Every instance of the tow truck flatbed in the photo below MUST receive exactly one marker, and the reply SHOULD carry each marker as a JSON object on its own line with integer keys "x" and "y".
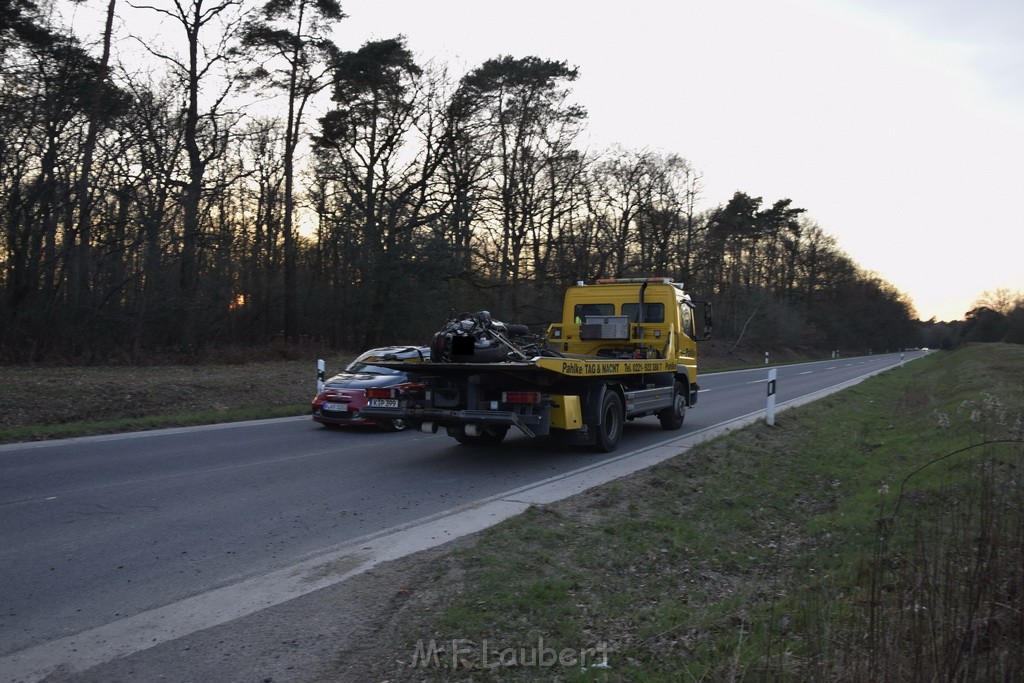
{"x": 622, "y": 350}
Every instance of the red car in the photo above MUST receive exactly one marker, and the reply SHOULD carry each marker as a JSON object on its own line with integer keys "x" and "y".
{"x": 345, "y": 394}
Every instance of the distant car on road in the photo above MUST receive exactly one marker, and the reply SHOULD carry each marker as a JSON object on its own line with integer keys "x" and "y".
{"x": 344, "y": 395}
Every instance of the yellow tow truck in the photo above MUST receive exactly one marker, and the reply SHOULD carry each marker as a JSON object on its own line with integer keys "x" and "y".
{"x": 624, "y": 348}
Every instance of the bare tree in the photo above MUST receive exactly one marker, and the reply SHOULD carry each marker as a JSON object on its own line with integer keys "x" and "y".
{"x": 528, "y": 121}
{"x": 294, "y": 35}
{"x": 380, "y": 145}
{"x": 665, "y": 225}
{"x": 624, "y": 182}
{"x": 466, "y": 173}
{"x": 1001, "y": 300}
{"x": 97, "y": 104}
{"x": 205, "y": 83}
{"x": 44, "y": 97}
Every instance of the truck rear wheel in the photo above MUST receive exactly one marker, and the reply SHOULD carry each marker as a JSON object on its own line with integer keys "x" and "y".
{"x": 672, "y": 417}
{"x": 610, "y": 429}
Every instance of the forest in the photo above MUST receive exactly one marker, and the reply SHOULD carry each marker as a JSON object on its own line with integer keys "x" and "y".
{"x": 257, "y": 184}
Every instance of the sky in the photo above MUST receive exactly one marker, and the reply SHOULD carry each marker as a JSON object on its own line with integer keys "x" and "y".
{"x": 897, "y": 124}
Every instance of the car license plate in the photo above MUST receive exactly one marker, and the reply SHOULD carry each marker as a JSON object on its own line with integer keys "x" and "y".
{"x": 336, "y": 407}
{"x": 383, "y": 402}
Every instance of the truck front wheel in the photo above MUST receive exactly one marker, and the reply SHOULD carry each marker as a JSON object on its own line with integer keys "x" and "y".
{"x": 610, "y": 429}
{"x": 672, "y": 417}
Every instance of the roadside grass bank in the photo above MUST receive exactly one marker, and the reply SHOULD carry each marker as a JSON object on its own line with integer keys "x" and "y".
{"x": 48, "y": 403}
{"x": 876, "y": 534}
{"x": 144, "y": 423}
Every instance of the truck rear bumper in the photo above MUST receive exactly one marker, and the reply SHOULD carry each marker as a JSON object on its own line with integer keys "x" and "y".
{"x": 531, "y": 425}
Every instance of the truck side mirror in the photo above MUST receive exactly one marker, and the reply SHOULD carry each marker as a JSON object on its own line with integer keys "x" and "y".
{"x": 708, "y": 319}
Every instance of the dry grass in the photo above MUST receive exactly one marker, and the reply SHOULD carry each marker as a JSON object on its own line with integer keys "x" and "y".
{"x": 47, "y": 398}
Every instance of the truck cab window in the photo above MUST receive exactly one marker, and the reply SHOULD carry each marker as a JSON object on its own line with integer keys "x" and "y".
{"x": 581, "y": 311}
{"x": 653, "y": 313}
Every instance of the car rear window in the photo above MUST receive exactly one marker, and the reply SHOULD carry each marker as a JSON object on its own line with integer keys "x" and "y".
{"x": 368, "y": 369}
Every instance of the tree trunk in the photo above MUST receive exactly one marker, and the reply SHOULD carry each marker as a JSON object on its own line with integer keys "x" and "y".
{"x": 83, "y": 293}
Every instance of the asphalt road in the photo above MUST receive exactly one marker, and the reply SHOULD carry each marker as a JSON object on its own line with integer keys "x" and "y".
{"x": 97, "y": 529}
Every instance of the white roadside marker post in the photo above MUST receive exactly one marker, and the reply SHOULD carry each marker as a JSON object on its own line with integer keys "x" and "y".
{"x": 770, "y": 409}
{"x": 320, "y": 375}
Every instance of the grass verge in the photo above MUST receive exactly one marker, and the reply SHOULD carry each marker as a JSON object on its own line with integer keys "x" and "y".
{"x": 137, "y": 424}
{"x": 48, "y": 403}
{"x": 876, "y": 534}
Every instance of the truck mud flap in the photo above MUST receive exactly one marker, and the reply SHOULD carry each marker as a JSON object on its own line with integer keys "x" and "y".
{"x": 574, "y": 437}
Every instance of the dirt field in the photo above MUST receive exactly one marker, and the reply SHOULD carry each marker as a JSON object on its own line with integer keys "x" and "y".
{"x": 47, "y": 395}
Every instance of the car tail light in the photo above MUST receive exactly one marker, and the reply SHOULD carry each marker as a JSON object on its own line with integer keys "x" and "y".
{"x": 383, "y": 392}
{"x": 520, "y": 397}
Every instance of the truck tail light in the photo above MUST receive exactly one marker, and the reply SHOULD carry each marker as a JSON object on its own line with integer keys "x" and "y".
{"x": 520, "y": 397}
{"x": 380, "y": 392}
